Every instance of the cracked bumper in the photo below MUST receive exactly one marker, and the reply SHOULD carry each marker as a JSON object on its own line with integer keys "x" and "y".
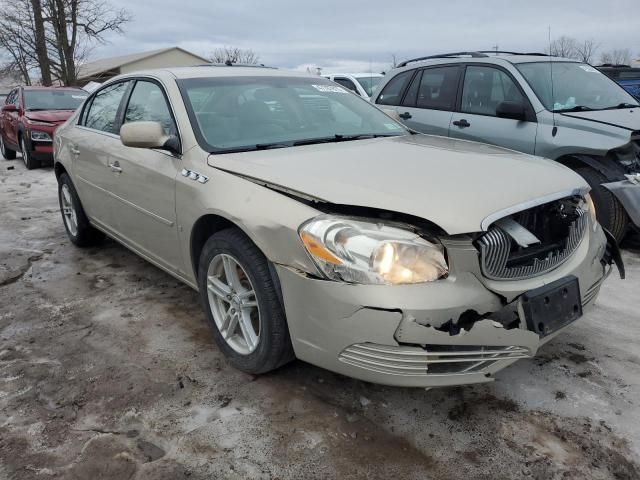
{"x": 388, "y": 334}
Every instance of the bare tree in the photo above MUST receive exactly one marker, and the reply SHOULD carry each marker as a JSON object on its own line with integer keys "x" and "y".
{"x": 618, "y": 56}
{"x": 55, "y": 36}
{"x": 586, "y": 51}
{"x": 564, "y": 47}
{"x": 234, "y": 55}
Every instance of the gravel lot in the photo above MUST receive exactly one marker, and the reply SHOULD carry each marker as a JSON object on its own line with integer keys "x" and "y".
{"x": 108, "y": 371}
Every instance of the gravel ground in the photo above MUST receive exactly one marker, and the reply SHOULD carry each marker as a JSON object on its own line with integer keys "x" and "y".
{"x": 108, "y": 371}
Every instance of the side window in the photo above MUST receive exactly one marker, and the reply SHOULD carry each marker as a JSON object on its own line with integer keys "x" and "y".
{"x": 103, "y": 111}
{"x": 392, "y": 93}
{"x": 346, "y": 83}
{"x": 438, "y": 88}
{"x": 148, "y": 103}
{"x": 485, "y": 87}
{"x": 11, "y": 97}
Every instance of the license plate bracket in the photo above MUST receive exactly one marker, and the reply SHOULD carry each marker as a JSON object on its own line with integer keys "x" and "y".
{"x": 553, "y": 306}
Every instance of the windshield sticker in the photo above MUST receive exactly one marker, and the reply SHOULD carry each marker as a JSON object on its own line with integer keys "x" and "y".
{"x": 79, "y": 97}
{"x": 587, "y": 68}
{"x": 329, "y": 88}
{"x": 392, "y": 126}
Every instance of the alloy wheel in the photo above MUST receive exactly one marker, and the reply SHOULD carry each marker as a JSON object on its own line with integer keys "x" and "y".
{"x": 68, "y": 210}
{"x": 233, "y": 303}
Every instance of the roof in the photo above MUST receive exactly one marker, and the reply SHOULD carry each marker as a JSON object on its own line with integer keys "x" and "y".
{"x": 485, "y": 58}
{"x": 35, "y": 87}
{"x": 106, "y": 64}
{"x": 354, "y": 75}
{"x": 206, "y": 71}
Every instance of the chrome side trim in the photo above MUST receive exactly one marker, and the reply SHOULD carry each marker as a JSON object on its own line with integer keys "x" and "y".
{"x": 486, "y": 223}
{"x": 158, "y": 218}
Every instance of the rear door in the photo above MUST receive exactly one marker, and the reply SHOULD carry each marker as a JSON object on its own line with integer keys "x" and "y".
{"x": 144, "y": 181}
{"x": 90, "y": 143}
{"x": 484, "y": 88}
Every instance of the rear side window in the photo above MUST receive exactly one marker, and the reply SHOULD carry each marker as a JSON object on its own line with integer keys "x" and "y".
{"x": 148, "y": 103}
{"x": 103, "y": 111}
{"x": 438, "y": 88}
{"x": 346, "y": 83}
{"x": 485, "y": 87}
{"x": 392, "y": 92}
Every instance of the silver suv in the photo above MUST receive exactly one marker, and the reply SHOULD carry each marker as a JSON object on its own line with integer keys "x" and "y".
{"x": 314, "y": 225}
{"x": 551, "y": 107}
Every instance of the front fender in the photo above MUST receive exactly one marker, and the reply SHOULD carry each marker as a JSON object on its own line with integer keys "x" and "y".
{"x": 628, "y": 194}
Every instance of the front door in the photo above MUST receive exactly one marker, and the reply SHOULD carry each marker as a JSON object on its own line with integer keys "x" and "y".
{"x": 144, "y": 182}
{"x": 484, "y": 88}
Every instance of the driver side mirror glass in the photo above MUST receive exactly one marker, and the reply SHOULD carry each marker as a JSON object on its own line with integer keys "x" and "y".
{"x": 512, "y": 110}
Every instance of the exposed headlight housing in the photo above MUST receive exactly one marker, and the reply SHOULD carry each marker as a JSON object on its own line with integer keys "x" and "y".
{"x": 370, "y": 252}
{"x": 40, "y": 136}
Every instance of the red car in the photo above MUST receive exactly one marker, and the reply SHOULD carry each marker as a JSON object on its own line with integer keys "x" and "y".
{"x": 29, "y": 117}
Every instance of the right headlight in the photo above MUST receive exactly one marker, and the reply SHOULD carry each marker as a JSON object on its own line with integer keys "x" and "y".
{"x": 370, "y": 252}
{"x": 591, "y": 208}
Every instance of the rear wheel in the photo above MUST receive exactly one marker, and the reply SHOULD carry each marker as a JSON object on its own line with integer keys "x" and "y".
{"x": 242, "y": 303}
{"x": 6, "y": 152}
{"x": 76, "y": 223}
{"x": 27, "y": 158}
{"x": 610, "y": 211}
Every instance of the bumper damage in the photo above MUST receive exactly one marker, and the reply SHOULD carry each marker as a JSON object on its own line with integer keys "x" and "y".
{"x": 457, "y": 331}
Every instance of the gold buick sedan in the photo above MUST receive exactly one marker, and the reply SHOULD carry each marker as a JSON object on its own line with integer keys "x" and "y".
{"x": 315, "y": 226}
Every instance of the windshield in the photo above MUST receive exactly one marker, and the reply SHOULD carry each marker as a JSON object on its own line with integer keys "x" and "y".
{"x": 369, "y": 84}
{"x": 53, "y": 99}
{"x": 576, "y": 86}
{"x": 252, "y": 113}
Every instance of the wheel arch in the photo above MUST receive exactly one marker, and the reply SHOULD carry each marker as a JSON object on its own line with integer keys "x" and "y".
{"x": 59, "y": 169}
{"x": 606, "y": 166}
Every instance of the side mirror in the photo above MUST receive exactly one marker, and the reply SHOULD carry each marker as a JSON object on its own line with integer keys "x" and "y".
{"x": 512, "y": 110}
{"x": 9, "y": 108}
{"x": 147, "y": 135}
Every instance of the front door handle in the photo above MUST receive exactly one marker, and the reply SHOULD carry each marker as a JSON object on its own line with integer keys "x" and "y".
{"x": 405, "y": 116}
{"x": 75, "y": 150}
{"x": 115, "y": 167}
{"x": 462, "y": 123}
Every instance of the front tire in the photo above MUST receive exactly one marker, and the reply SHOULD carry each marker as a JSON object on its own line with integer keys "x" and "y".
{"x": 6, "y": 152}
{"x": 242, "y": 303}
{"x": 76, "y": 223}
{"x": 610, "y": 211}
{"x": 27, "y": 158}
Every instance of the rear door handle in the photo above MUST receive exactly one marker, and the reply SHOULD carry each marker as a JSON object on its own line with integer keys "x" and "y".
{"x": 115, "y": 167}
{"x": 462, "y": 123}
{"x": 405, "y": 116}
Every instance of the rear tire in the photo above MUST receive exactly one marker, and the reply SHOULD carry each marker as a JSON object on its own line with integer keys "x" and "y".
{"x": 272, "y": 348}
{"x": 27, "y": 158}
{"x": 76, "y": 223}
{"x": 610, "y": 211}
{"x": 7, "y": 153}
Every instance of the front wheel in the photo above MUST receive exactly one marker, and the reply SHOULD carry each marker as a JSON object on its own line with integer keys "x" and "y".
{"x": 27, "y": 158}
{"x": 76, "y": 223}
{"x": 6, "y": 152}
{"x": 242, "y": 303}
{"x": 609, "y": 210}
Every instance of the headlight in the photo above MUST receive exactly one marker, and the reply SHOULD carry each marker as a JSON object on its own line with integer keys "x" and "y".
{"x": 40, "y": 136}
{"x": 367, "y": 252}
{"x": 591, "y": 208}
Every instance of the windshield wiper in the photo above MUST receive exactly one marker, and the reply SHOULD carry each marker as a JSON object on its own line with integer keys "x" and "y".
{"x": 622, "y": 105}
{"x": 341, "y": 138}
{"x": 269, "y": 146}
{"x": 577, "y": 108}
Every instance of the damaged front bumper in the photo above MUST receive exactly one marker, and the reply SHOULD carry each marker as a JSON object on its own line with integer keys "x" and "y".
{"x": 459, "y": 330}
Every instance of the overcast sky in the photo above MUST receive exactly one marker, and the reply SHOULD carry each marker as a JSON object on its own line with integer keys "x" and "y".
{"x": 352, "y": 35}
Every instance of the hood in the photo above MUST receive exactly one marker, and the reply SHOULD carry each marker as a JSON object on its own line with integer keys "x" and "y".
{"x": 53, "y": 116}
{"x": 628, "y": 118}
{"x": 455, "y": 184}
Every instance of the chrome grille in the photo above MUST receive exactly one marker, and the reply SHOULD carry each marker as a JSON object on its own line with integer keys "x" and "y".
{"x": 432, "y": 360}
{"x": 495, "y": 249}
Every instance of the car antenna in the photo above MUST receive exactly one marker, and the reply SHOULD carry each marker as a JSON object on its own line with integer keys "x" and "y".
{"x": 554, "y": 130}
